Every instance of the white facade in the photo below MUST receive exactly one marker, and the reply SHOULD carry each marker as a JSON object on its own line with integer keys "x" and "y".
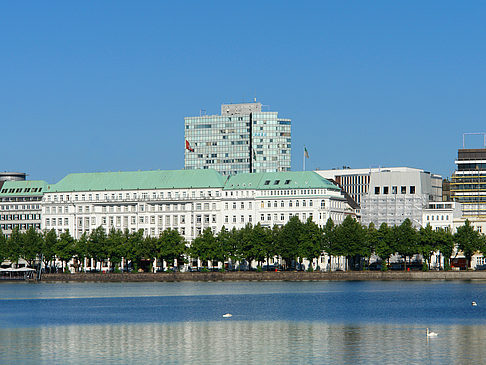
{"x": 191, "y": 210}
{"x": 394, "y": 196}
{"x": 356, "y": 182}
{"x": 441, "y": 215}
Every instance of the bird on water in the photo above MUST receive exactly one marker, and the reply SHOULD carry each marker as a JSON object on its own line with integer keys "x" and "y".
{"x": 431, "y": 334}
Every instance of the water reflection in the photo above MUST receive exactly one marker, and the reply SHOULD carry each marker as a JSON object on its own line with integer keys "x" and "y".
{"x": 242, "y": 342}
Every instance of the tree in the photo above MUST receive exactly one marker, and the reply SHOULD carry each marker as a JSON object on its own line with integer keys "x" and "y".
{"x": 290, "y": 240}
{"x": 97, "y": 245}
{"x": 246, "y": 244}
{"x": 114, "y": 246}
{"x": 31, "y": 246}
{"x": 328, "y": 239}
{"x": 3, "y": 247}
{"x": 260, "y": 241}
{"x": 372, "y": 240}
{"x": 349, "y": 237}
{"x": 312, "y": 239}
{"x": 14, "y": 245}
{"x": 171, "y": 247}
{"x": 81, "y": 249}
{"x": 445, "y": 244}
{"x": 225, "y": 245}
{"x": 406, "y": 240}
{"x": 468, "y": 240}
{"x": 49, "y": 247}
{"x": 427, "y": 243}
{"x": 134, "y": 252}
{"x": 149, "y": 250}
{"x": 65, "y": 248}
{"x": 384, "y": 247}
{"x": 204, "y": 246}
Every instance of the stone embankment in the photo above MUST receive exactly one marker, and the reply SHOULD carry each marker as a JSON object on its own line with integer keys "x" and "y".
{"x": 267, "y": 276}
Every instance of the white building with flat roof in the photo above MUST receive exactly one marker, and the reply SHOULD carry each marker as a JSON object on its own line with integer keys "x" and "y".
{"x": 388, "y": 195}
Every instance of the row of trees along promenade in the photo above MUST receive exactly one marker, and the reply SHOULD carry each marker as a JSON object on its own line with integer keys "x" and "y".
{"x": 292, "y": 242}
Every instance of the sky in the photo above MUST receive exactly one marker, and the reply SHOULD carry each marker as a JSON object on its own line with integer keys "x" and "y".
{"x": 93, "y": 86}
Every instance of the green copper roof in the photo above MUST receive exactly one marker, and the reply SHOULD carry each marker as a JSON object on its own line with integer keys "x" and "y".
{"x": 132, "y": 180}
{"x": 278, "y": 180}
{"x": 23, "y": 188}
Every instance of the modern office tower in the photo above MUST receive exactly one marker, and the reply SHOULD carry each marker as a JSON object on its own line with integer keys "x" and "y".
{"x": 468, "y": 183}
{"x": 242, "y": 139}
{"x": 20, "y": 205}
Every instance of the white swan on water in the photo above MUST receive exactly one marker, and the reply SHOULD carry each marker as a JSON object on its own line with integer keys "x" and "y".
{"x": 227, "y": 315}
{"x": 474, "y": 304}
{"x": 431, "y": 334}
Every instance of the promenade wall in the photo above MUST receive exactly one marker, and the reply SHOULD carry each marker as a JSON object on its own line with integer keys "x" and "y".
{"x": 267, "y": 276}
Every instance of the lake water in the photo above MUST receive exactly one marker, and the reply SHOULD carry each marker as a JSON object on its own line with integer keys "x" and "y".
{"x": 273, "y": 322}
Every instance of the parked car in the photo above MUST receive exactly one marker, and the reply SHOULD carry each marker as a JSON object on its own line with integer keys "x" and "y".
{"x": 481, "y": 267}
{"x": 374, "y": 266}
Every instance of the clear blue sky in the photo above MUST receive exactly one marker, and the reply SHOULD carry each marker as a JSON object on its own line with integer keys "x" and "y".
{"x": 105, "y": 85}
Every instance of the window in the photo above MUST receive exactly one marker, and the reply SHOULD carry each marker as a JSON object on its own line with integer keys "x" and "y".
{"x": 385, "y": 190}
{"x": 394, "y": 190}
{"x": 377, "y": 190}
{"x": 267, "y": 182}
{"x": 412, "y": 189}
{"x": 404, "y": 190}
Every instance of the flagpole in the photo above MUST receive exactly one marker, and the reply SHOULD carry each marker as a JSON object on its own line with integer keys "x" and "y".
{"x": 303, "y": 159}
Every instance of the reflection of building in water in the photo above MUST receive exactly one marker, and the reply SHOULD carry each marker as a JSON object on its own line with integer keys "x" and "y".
{"x": 244, "y": 342}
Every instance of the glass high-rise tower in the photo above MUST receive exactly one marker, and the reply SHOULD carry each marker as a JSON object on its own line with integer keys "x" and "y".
{"x": 242, "y": 139}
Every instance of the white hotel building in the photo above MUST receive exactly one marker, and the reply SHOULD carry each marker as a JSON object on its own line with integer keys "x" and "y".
{"x": 187, "y": 200}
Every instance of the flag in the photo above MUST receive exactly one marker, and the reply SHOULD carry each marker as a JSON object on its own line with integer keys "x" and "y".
{"x": 306, "y": 154}
{"x": 188, "y": 146}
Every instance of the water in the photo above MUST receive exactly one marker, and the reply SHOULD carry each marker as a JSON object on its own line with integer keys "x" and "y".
{"x": 281, "y": 322}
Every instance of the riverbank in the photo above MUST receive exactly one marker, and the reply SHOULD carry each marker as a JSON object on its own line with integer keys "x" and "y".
{"x": 267, "y": 276}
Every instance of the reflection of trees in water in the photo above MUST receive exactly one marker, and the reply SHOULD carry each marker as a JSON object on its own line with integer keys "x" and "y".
{"x": 244, "y": 342}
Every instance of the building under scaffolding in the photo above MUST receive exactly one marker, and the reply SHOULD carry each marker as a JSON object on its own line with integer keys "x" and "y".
{"x": 468, "y": 183}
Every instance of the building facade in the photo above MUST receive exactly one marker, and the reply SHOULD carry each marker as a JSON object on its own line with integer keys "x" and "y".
{"x": 20, "y": 205}
{"x": 394, "y": 196}
{"x": 242, "y": 139}
{"x": 187, "y": 200}
{"x": 442, "y": 215}
{"x": 468, "y": 182}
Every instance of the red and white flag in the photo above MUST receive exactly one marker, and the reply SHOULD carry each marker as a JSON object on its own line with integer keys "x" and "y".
{"x": 188, "y": 146}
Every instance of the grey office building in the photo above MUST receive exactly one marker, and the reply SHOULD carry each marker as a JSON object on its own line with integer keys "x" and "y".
{"x": 242, "y": 139}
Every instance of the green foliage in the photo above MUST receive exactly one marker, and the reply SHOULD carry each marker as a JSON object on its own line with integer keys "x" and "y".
{"x": 290, "y": 240}
{"x": 14, "y": 245}
{"x": 171, "y": 247}
{"x": 49, "y": 244}
{"x": 469, "y": 241}
{"x": 3, "y": 247}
